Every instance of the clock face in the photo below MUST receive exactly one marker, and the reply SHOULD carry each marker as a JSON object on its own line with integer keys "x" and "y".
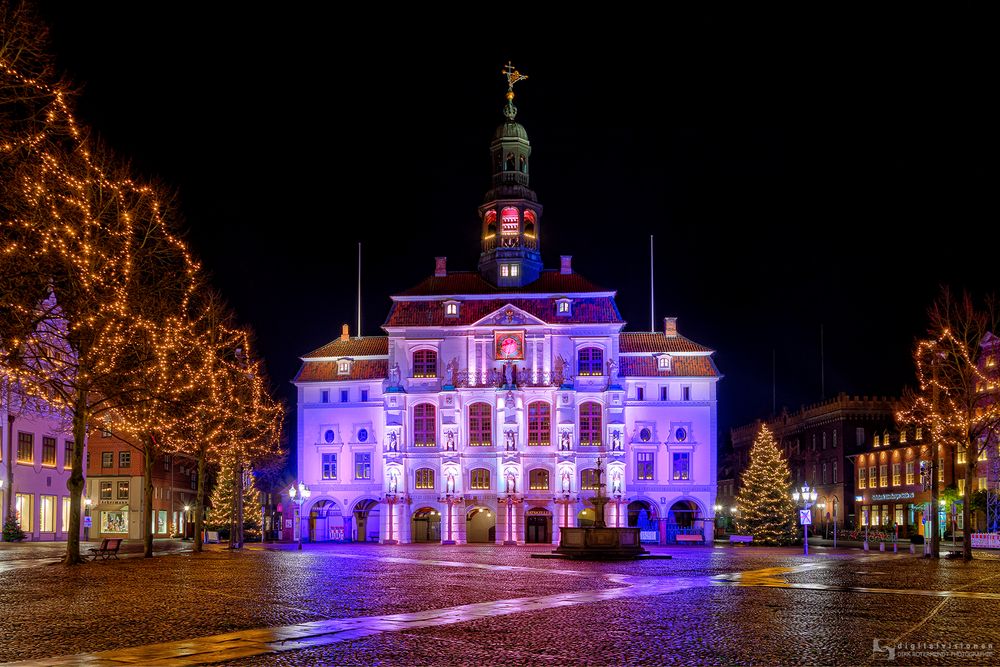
{"x": 509, "y": 345}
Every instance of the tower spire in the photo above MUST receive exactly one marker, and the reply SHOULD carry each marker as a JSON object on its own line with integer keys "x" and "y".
{"x": 513, "y": 76}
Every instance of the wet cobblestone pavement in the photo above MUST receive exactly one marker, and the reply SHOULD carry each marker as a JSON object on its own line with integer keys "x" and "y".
{"x": 491, "y": 605}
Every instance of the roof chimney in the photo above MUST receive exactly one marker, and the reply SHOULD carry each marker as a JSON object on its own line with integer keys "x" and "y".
{"x": 440, "y": 267}
{"x": 565, "y": 264}
{"x": 670, "y": 327}
{"x": 344, "y": 333}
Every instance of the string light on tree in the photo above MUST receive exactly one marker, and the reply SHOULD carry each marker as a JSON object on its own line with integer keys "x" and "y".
{"x": 764, "y": 506}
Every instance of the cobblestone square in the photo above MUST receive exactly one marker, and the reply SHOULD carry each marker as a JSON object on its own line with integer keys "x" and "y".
{"x": 491, "y": 605}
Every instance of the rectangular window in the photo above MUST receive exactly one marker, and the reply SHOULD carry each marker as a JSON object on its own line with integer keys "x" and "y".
{"x": 872, "y": 477}
{"x": 122, "y": 491}
{"x": 539, "y": 421}
{"x": 909, "y": 472}
{"x": 23, "y": 510}
{"x": 114, "y": 522}
{"x": 65, "y": 514}
{"x": 166, "y": 463}
{"x": 343, "y": 367}
{"x": 588, "y": 479}
{"x": 682, "y": 465}
{"x": 47, "y": 514}
{"x": 425, "y": 364}
{"x": 859, "y": 437}
{"x": 861, "y": 478}
{"x": 480, "y": 425}
{"x": 644, "y": 465}
{"x": 107, "y": 459}
{"x": 514, "y": 270}
{"x": 505, "y": 270}
{"x": 883, "y": 472}
{"x": 864, "y": 515}
{"x": 124, "y": 459}
{"x": 424, "y": 478}
{"x": 961, "y": 456}
{"x": 324, "y": 396}
{"x": 49, "y": 454}
{"x": 685, "y": 393}
{"x": 663, "y": 393}
{"x": 896, "y": 469}
{"x": 640, "y": 394}
{"x": 105, "y": 490}
{"x": 25, "y": 448}
{"x": 920, "y": 433}
{"x": 940, "y": 470}
{"x": 364, "y": 395}
{"x": 479, "y": 479}
{"x": 68, "y": 455}
{"x": 451, "y": 309}
{"x": 834, "y": 438}
{"x": 362, "y": 465}
{"x": 329, "y": 466}
{"x": 834, "y": 472}
{"x": 961, "y": 487}
{"x": 538, "y": 479}
{"x": 885, "y": 515}
{"x": 980, "y": 483}
{"x": 344, "y": 395}
{"x": 900, "y": 520}
{"x": 982, "y": 454}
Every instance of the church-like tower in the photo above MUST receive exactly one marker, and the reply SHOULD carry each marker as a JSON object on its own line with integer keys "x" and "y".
{"x": 510, "y": 215}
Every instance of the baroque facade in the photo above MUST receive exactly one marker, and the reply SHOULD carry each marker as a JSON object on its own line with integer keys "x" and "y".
{"x": 485, "y": 411}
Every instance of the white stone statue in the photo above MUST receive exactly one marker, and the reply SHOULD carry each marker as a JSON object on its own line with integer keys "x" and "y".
{"x": 616, "y": 482}
{"x": 449, "y": 440}
{"x": 566, "y": 481}
{"x": 564, "y": 443}
{"x": 449, "y": 486}
{"x": 393, "y": 441}
{"x": 616, "y": 440}
{"x": 510, "y": 439}
{"x": 393, "y": 479}
{"x": 394, "y": 374}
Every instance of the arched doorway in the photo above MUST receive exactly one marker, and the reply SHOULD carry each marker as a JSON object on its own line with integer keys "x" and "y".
{"x": 683, "y": 518}
{"x": 366, "y": 520}
{"x": 585, "y": 519}
{"x": 480, "y": 525}
{"x": 642, "y": 515}
{"x": 538, "y": 526}
{"x": 326, "y": 522}
{"x": 425, "y": 525}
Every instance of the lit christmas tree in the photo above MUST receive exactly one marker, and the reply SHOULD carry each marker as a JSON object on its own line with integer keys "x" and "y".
{"x": 765, "y": 504}
{"x": 220, "y": 516}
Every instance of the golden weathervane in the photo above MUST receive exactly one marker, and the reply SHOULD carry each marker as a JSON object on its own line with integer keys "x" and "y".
{"x": 513, "y": 76}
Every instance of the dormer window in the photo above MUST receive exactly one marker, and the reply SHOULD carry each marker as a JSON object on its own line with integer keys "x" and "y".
{"x": 663, "y": 362}
{"x": 344, "y": 367}
{"x": 509, "y": 270}
{"x": 451, "y": 308}
{"x": 564, "y": 307}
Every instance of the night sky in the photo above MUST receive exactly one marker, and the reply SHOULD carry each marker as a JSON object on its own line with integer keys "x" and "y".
{"x": 784, "y": 163}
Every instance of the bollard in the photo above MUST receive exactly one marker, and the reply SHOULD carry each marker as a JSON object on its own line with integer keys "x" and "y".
{"x": 866, "y": 545}
{"x": 913, "y": 549}
{"x": 895, "y": 549}
{"x": 881, "y": 546}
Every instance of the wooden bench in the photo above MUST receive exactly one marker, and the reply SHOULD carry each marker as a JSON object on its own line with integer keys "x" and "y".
{"x": 738, "y": 539}
{"x": 691, "y": 538}
{"x": 108, "y": 549}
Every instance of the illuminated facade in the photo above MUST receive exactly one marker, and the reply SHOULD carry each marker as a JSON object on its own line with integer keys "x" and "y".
{"x": 482, "y": 414}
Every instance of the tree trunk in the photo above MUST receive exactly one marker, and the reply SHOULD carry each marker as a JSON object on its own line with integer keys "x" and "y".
{"x": 75, "y": 483}
{"x": 934, "y": 504}
{"x": 8, "y": 499}
{"x": 971, "y": 462}
{"x": 149, "y": 454}
{"x": 199, "y": 516}
{"x": 236, "y": 534}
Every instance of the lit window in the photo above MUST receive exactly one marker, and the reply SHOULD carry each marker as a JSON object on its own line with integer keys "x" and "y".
{"x": 48, "y": 451}
{"x": 68, "y": 456}
{"x": 861, "y": 478}
{"x": 896, "y": 468}
{"x": 329, "y": 466}
{"x": 883, "y": 472}
{"x": 885, "y": 439}
{"x": 424, "y": 425}
{"x": 961, "y": 487}
{"x": 663, "y": 362}
{"x": 425, "y": 364}
{"x": 588, "y": 479}
{"x": 343, "y": 367}
{"x": 539, "y": 423}
{"x": 590, "y": 424}
{"x": 424, "y": 478}
{"x": 877, "y": 440}
{"x": 902, "y": 437}
{"x": 538, "y": 479}
{"x": 362, "y": 465}
{"x": 564, "y": 306}
{"x": 480, "y": 425}
{"x": 682, "y": 466}
{"x": 980, "y": 483}
{"x": 591, "y": 361}
{"x": 961, "y": 456}
{"x": 23, "y": 510}
{"x": 920, "y": 433}
{"x": 940, "y": 471}
{"x": 513, "y": 270}
{"x": 26, "y": 448}
{"x": 479, "y": 479}
{"x": 122, "y": 491}
{"x": 909, "y": 472}
{"x": 105, "y": 491}
{"x": 505, "y": 270}
{"x": 644, "y": 465}
{"x": 451, "y": 309}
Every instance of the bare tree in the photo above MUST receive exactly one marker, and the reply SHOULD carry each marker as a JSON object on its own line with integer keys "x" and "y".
{"x": 955, "y": 399}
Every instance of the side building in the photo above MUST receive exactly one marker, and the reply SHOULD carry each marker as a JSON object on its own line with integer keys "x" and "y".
{"x": 115, "y": 490}
{"x": 501, "y": 398}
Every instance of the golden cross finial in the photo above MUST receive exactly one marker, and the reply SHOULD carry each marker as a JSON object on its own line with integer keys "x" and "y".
{"x": 513, "y": 76}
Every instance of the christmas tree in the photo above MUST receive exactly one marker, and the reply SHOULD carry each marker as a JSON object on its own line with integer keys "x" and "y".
{"x": 220, "y": 516}
{"x": 12, "y": 530}
{"x": 765, "y": 504}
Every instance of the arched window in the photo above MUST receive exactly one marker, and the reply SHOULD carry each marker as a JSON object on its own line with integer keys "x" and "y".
{"x": 480, "y": 425}
{"x": 479, "y": 479}
{"x": 524, "y": 165}
{"x": 588, "y": 479}
{"x": 490, "y": 218}
{"x": 425, "y": 364}
{"x": 591, "y": 361}
{"x": 539, "y": 423}
{"x": 529, "y": 223}
{"x": 424, "y": 478}
{"x": 590, "y": 424}
{"x": 538, "y": 479}
{"x": 509, "y": 162}
{"x": 424, "y": 425}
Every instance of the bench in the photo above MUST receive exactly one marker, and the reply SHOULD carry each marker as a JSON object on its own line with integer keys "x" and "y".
{"x": 108, "y": 549}
{"x": 737, "y": 539}
{"x": 691, "y": 538}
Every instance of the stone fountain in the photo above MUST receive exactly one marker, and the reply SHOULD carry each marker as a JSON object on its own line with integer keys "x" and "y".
{"x": 599, "y": 542}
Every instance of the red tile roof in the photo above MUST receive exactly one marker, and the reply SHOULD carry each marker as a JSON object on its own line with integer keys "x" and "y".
{"x": 698, "y": 366}
{"x": 431, "y": 313}
{"x": 326, "y": 371}
{"x": 366, "y": 346}
{"x": 634, "y": 341}
{"x": 470, "y": 282}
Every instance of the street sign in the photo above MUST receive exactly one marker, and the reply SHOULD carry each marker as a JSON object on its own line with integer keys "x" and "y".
{"x": 805, "y": 517}
{"x": 87, "y": 521}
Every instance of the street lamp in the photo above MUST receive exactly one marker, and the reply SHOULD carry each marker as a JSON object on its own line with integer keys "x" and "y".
{"x": 298, "y": 497}
{"x": 184, "y": 528}
{"x": 806, "y": 497}
{"x": 822, "y": 513}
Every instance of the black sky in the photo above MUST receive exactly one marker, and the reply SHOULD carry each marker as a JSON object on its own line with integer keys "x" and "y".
{"x": 796, "y": 170}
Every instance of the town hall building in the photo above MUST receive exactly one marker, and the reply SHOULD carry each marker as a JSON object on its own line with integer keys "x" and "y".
{"x": 486, "y": 410}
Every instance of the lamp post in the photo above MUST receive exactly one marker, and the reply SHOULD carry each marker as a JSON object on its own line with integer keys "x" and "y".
{"x": 806, "y": 497}
{"x": 298, "y": 497}
{"x": 826, "y": 524}
{"x": 184, "y": 528}
{"x": 511, "y": 501}
{"x": 87, "y": 502}
{"x": 717, "y": 509}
